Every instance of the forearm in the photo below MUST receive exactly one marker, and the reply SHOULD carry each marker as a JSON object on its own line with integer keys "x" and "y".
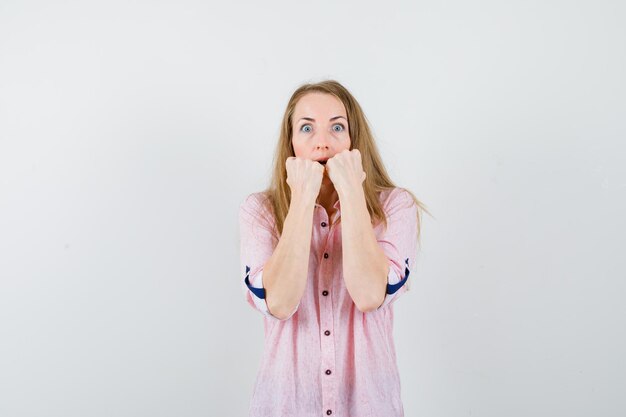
{"x": 285, "y": 273}
{"x": 365, "y": 265}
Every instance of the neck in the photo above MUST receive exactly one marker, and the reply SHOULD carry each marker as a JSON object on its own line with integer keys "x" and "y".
{"x": 328, "y": 195}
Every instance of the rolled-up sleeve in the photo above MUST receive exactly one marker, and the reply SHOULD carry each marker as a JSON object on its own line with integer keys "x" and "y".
{"x": 257, "y": 242}
{"x": 399, "y": 242}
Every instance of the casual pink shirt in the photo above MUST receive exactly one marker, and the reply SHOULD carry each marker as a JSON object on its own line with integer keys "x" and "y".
{"x": 328, "y": 357}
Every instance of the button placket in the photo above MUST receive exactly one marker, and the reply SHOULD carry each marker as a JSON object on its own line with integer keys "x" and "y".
{"x": 329, "y": 390}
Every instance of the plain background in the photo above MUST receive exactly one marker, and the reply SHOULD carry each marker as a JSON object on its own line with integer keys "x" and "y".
{"x": 130, "y": 132}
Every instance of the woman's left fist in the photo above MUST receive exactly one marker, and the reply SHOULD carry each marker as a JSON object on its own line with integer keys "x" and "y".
{"x": 345, "y": 170}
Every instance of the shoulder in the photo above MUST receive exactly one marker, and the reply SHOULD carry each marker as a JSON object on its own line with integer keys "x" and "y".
{"x": 257, "y": 204}
{"x": 392, "y": 199}
{"x": 254, "y": 200}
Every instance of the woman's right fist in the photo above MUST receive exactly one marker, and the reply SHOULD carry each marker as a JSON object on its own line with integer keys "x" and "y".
{"x": 304, "y": 177}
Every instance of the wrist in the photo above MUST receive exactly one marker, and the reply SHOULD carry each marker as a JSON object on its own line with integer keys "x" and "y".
{"x": 299, "y": 200}
{"x": 351, "y": 193}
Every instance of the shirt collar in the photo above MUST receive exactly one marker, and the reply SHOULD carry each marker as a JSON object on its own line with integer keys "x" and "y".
{"x": 337, "y": 205}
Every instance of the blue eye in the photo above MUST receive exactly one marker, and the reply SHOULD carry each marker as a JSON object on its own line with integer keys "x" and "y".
{"x": 307, "y": 128}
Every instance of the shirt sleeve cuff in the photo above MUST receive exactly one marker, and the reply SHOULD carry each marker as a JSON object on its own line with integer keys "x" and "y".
{"x": 257, "y": 295}
{"x": 395, "y": 283}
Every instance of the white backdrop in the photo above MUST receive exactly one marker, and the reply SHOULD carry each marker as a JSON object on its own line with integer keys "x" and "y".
{"x": 130, "y": 132}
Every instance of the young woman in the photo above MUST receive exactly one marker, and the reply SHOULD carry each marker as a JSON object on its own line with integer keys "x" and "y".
{"x": 325, "y": 251}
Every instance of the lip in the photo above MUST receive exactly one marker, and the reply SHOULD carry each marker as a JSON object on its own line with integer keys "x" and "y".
{"x": 322, "y": 161}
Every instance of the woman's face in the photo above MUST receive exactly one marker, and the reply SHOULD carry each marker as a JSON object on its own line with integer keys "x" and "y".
{"x": 320, "y": 127}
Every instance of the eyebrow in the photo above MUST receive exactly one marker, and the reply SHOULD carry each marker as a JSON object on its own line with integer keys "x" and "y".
{"x": 331, "y": 119}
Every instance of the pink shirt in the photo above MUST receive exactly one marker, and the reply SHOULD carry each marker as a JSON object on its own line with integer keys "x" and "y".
{"x": 328, "y": 357}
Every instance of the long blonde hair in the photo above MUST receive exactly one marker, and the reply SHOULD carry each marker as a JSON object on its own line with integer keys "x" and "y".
{"x": 376, "y": 178}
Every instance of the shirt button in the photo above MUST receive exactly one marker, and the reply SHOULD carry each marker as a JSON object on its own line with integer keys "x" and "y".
{"x": 325, "y": 255}
{"x": 328, "y": 372}
{"x": 323, "y": 224}
{"x": 329, "y": 412}
{"x": 324, "y": 293}
{"x": 327, "y": 332}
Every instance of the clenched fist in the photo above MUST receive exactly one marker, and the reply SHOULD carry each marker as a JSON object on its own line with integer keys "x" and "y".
{"x": 345, "y": 170}
{"x": 304, "y": 178}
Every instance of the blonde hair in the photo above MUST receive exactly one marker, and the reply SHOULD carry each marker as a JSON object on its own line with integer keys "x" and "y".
{"x": 376, "y": 178}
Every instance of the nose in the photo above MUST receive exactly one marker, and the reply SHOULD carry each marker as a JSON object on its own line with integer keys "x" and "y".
{"x": 322, "y": 141}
